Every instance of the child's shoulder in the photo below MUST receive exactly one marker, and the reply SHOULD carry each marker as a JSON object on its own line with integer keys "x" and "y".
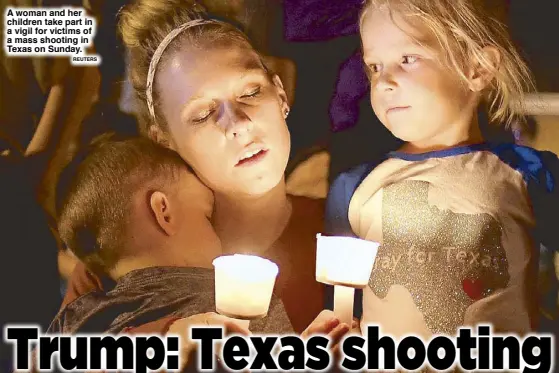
{"x": 347, "y": 181}
{"x": 341, "y": 190}
{"x": 536, "y": 166}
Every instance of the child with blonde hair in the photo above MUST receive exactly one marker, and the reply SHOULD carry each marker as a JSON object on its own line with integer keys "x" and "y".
{"x": 459, "y": 219}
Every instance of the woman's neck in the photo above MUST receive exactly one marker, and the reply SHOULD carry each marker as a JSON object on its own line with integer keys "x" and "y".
{"x": 251, "y": 224}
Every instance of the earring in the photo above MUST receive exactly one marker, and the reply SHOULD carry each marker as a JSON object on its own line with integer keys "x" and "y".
{"x": 286, "y": 112}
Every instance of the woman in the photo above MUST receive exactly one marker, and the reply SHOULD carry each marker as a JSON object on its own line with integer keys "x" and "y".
{"x": 209, "y": 97}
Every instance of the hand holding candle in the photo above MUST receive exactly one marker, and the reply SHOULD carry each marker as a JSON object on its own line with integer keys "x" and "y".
{"x": 244, "y": 286}
{"x": 346, "y": 263}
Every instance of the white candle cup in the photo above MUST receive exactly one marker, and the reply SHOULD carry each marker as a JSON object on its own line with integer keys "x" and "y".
{"x": 345, "y": 261}
{"x": 244, "y": 286}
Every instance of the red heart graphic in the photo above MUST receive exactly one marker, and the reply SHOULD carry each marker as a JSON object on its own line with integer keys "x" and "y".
{"x": 474, "y": 288}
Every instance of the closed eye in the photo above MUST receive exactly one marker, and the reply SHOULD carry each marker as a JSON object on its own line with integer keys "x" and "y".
{"x": 253, "y": 93}
{"x": 204, "y": 116}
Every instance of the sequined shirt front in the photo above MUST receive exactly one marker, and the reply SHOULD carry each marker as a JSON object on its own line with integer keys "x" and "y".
{"x": 455, "y": 244}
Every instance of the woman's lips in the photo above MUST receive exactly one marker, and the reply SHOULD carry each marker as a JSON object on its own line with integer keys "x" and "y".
{"x": 255, "y": 158}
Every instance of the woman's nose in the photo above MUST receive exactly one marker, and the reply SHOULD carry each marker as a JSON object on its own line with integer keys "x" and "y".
{"x": 236, "y": 121}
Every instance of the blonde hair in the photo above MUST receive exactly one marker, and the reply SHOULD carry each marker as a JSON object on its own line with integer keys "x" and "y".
{"x": 144, "y": 24}
{"x": 463, "y": 28}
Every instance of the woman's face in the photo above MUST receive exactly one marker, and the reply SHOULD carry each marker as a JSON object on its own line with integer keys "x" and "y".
{"x": 226, "y": 117}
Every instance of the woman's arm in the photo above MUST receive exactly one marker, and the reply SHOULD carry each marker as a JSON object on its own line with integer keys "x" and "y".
{"x": 49, "y": 119}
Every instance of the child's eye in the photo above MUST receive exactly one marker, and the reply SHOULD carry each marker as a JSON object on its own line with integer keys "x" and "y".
{"x": 409, "y": 59}
{"x": 203, "y": 116}
{"x": 252, "y": 93}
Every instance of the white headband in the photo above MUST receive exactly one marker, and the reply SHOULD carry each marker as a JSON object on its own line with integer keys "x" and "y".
{"x": 159, "y": 52}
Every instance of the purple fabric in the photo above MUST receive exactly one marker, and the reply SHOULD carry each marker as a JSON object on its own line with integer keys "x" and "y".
{"x": 351, "y": 86}
{"x": 322, "y": 20}
{"x": 319, "y": 20}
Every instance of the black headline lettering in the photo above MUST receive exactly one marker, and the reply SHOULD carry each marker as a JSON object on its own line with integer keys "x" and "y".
{"x": 418, "y": 347}
{"x": 143, "y": 362}
{"x": 207, "y": 338}
{"x": 259, "y": 352}
{"x": 449, "y": 356}
{"x": 375, "y": 344}
{"x": 112, "y": 346}
{"x": 234, "y": 352}
{"x": 292, "y": 358}
{"x": 319, "y": 358}
{"x": 469, "y": 351}
{"x": 465, "y": 343}
{"x": 23, "y": 338}
{"x": 412, "y": 353}
{"x": 355, "y": 358}
{"x": 542, "y": 360}
{"x": 47, "y": 346}
{"x": 483, "y": 333}
{"x": 263, "y": 357}
{"x": 139, "y": 354}
{"x": 73, "y": 362}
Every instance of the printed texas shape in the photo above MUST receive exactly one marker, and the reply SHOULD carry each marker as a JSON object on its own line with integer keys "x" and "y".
{"x": 461, "y": 256}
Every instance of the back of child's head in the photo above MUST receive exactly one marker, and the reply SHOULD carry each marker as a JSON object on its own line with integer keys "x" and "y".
{"x": 463, "y": 28}
{"x": 145, "y": 24}
{"x": 96, "y": 194}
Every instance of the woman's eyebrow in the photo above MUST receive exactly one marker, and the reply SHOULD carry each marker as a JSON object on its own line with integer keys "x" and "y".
{"x": 192, "y": 99}
{"x": 252, "y": 71}
{"x": 189, "y": 102}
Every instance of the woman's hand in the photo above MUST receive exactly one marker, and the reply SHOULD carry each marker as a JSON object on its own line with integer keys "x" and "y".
{"x": 328, "y": 324}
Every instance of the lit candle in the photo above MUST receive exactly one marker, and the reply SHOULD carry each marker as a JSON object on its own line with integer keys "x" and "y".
{"x": 346, "y": 263}
{"x": 244, "y": 286}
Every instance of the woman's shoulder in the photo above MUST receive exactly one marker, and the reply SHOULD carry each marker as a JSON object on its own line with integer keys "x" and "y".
{"x": 307, "y": 220}
{"x": 308, "y": 208}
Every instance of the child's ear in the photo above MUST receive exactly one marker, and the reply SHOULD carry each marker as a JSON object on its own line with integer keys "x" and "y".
{"x": 163, "y": 213}
{"x": 282, "y": 95}
{"x": 482, "y": 72}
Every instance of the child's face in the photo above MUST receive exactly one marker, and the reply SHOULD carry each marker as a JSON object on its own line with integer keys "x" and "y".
{"x": 412, "y": 93}
{"x": 226, "y": 117}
